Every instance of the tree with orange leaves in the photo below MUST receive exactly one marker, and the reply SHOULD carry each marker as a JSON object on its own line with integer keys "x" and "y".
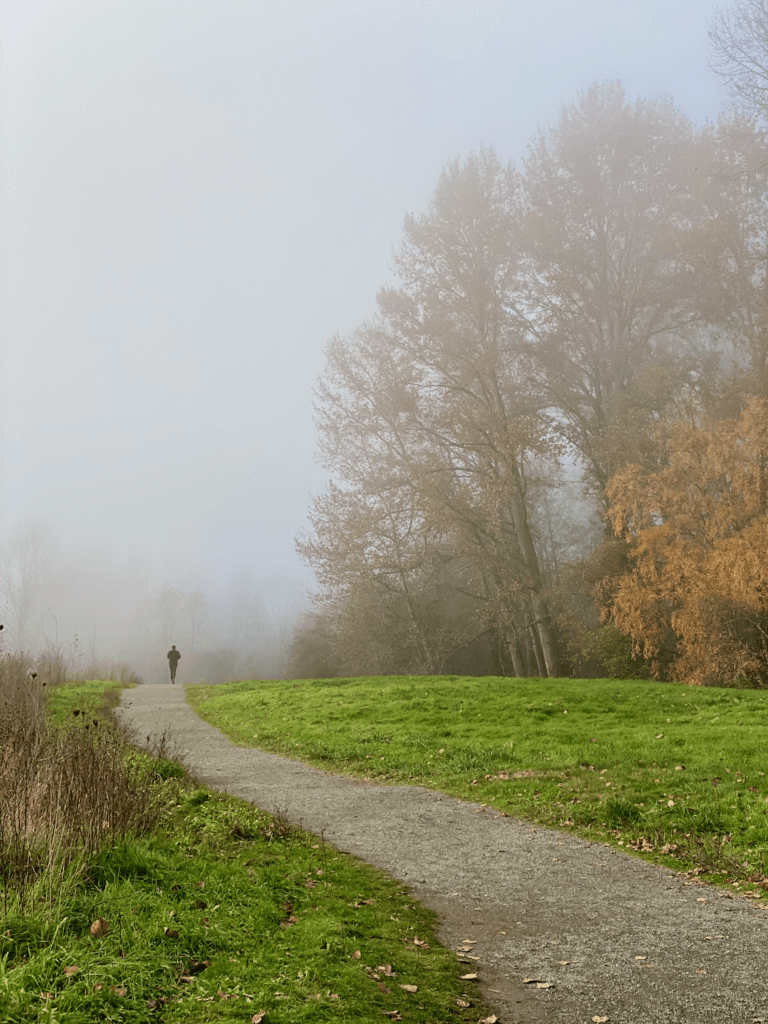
{"x": 695, "y": 598}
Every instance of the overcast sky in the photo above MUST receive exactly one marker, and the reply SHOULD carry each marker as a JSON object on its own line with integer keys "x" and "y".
{"x": 197, "y": 195}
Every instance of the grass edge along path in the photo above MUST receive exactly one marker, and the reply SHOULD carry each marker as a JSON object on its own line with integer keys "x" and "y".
{"x": 224, "y": 913}
{"x": 677, "y": 775}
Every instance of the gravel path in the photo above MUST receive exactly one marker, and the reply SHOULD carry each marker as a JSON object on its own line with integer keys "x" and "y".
{"x": 619, "y": 938}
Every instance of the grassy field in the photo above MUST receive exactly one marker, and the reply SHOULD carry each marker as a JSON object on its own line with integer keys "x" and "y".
{"x": 675, "y": 773}
{"x": 220, "y": 913}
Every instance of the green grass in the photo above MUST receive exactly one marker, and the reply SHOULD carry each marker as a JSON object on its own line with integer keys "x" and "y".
{"x": 680, "y": 769}
{"x": 72, "y": 699}
{"x": 223, "y": 912}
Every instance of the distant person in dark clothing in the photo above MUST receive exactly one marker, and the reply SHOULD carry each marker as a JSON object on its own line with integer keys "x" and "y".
{"x": 173, "y": 661}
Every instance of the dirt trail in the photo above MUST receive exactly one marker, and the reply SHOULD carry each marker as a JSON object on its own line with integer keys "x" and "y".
{"x": 642, "y": 945}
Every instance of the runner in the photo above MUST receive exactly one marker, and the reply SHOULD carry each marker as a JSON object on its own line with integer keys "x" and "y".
{"x": 173, "y": 661}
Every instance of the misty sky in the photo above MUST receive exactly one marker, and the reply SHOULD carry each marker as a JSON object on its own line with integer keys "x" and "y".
{"x": 197, "y": 195}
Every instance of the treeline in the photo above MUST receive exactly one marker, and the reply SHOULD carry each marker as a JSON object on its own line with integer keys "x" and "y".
{"x": 548, "y": 451}
{"x": 78, "y": 616}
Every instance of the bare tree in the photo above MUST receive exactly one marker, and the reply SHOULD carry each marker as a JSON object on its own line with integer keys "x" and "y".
{"x": 739, "y": 37}
{"x": 427, "y": 419}
{"x": 28, "y": 564}
{"x": 196, "y": 608}
{"x": 166, "y": 615}
{"x": 610, "y": 239}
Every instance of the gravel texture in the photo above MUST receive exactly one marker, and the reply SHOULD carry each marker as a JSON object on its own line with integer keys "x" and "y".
{"x": 617, "y": 937}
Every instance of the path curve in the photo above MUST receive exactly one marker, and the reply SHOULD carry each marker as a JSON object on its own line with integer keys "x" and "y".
{"x": 529, "y": 897}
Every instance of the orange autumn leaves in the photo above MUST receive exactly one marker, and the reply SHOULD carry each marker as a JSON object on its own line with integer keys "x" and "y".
{"x": 694, "y": 599}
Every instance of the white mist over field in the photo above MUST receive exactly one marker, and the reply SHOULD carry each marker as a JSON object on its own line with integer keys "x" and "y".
{"x": 195, "y": 197}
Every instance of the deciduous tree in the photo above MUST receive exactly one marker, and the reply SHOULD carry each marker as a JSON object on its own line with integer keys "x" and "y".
{"x": 695, "y": 598}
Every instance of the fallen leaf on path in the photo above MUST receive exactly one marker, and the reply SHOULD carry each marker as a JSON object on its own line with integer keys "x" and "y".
{"x": 170, "y": 933}
{"x": 392, "y": 1014}
{"x": 545, "y": 984}
{"x": 119, "y": 990}
{"x": 99, "y": 928}
{"x": 489, "y": 1020}
{"x": 468, "y": 977}
{"x": 356, "y": 955}
{"x": 410, "y": 988}
{"x": 463, "y": 1004}
{"x": 257, "y": 1018}
{"x": 386, "y": 970}
{"x": 49, "y": 995}
{"x": 69, "y": 971}
{"x": 417, "y": 942}
{"x": 383, "y": 988}
{"x": 530, "y": 981}
{"x": 599, "y": 1020}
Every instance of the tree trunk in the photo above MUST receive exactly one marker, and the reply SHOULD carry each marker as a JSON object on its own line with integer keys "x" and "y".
{"x": 538, "y": 602}
{"x": 537, "y": 651}
{"x": 514, "y": 654}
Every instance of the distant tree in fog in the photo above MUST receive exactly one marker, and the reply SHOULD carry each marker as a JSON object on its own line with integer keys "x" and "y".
{"x": 195, "y": 608}
{"x": 610, "y": 234}
{"x": 28, "y": 567}
{"x": 429, "y": 424}
{"x": 167, "y": 615}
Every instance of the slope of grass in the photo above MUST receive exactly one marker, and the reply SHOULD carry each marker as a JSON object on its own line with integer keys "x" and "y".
{"x": 680, "y": 769}
{"x": 220, "y": 913}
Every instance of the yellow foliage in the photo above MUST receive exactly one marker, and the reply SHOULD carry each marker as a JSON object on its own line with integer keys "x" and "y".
{"x": 696, "y": 595}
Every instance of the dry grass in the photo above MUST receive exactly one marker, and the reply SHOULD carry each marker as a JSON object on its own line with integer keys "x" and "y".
{"x": 64, "y": 791}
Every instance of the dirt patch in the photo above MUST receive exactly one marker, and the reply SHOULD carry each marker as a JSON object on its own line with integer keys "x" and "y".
{"x": 608, "y": 934}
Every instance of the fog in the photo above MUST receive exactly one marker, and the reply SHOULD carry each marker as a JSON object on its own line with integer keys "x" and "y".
{"x": 196, "y": 197}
